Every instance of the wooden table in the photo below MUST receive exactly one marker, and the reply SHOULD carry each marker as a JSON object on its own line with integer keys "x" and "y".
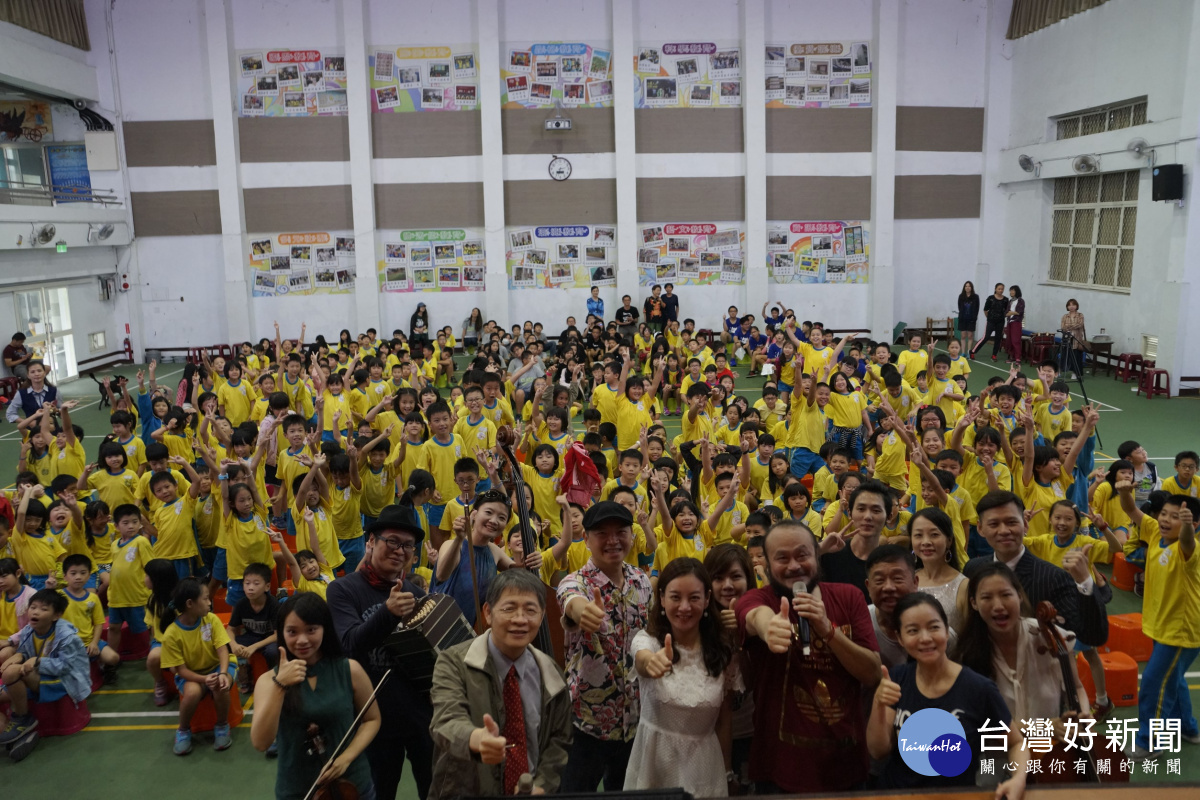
{"x": 1098, "y": 350}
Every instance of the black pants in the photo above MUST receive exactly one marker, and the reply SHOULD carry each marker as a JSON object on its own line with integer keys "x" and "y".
{"x": 591, "y": 760}
{"x": 400, "y": 737}
{"x": 995, "y": 331}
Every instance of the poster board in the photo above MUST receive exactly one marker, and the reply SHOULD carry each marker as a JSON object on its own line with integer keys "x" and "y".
{"x": 688, "y": 75}
{"x": 291, "y": 83}
{"x": 691, "y": 253}
{"x": 818, "y": 251}
{"x": 540, "y": 74}
{"x": 25, "y": 121}
{"x": 432, "y": 260}
{"x": 556, "y": 256}
{"x": 289, "y": 264}
{"x": 69, "y": 173}
{"x": 819, "y": 75}
{"x": 423, "y": 78}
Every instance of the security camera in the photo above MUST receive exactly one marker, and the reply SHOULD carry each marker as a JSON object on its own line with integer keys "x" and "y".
{"x": 80, "y": 104}
{"x": 558, "y": 124}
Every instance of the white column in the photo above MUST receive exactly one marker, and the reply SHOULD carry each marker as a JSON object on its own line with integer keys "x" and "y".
{"x": 624, "y": 34}
{"x": 239, "y": 321}
{"x": 996, "y": 105}
{"x": 362, "y": 184}
{"x": 883, "y": 169}
{"x": 754, "y": 125}
{"x": 495, "y": 243}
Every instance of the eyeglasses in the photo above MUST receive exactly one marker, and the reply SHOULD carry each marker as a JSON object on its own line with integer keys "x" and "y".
{"x": 396, "y": 544}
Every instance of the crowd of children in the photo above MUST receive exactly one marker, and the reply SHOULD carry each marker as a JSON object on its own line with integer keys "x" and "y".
{"x": 263, "y": 469}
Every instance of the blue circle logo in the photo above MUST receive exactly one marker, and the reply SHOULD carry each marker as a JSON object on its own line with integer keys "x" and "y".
{"x": 933, "y": 742}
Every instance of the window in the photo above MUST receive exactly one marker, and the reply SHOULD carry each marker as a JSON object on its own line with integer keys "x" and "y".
{"x": 1095, "y": 218}
{"x": 1098, "y": 120}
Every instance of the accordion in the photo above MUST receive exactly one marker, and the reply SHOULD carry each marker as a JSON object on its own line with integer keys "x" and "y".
{"x": 436, "y": 624}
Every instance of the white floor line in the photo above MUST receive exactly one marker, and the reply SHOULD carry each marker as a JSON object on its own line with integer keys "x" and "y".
{"x": 88, "y": 405}
{"x": 1005, "y": 371}
{"x": 119, "y": 714}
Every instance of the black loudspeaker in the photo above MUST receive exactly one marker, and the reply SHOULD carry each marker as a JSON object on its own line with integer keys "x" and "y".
{"x": 1168, "y": 182}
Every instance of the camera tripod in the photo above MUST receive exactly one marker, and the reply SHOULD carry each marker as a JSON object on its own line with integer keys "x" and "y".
{"x": 1070, "y": 360}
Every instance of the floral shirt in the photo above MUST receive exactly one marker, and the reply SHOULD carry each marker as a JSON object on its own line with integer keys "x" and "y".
{"x": 600, "y": 673}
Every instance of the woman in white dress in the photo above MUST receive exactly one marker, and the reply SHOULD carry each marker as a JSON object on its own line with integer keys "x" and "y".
{"x": 932, "y": 535}
{"x": 687, "y": 676}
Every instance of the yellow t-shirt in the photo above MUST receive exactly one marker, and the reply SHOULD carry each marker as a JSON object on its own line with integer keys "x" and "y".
{"x": 1107, "y": 503}
{"x": 179, "y": 444}
{"x": 807, "y": 429}
{"x": 44, "y": 466}
{"x": 143, "y": 493}
{"x": 38, "y": 554}
{"x": 208, "y": 519}
{"x": 378, "y": 487}
{"x": 115, "y": 489}
{"x": 127, "y": 586}
{"x": 102, "y": 544}
{"x": 135, "y": 452}
{"x": 604, "y": 400}
{"x": 698, "y": 428}
{"x": 1171, "y": 605}
{"x": 1051, "y": 423}
{"x": 247, "y": 542}
{"x": 679, "y": 545}
{"x": 824, "y": 485}
{"x": 69, "y": 460}
{"x": 195, "y": 646}
{"x": 299, "y": 396}
{"x": 439, "y": 461}
{"x": 1044, "y": 495}
{"x": 734, "y": 516}
{"x": 85, "y": 613}
{"x": 889, "y": 462}
{"x": 959, "y": 366}
{"x": 545, "y": 492}
{"x": 479, "y": 435}
{"x": 767, "y": 415}
{"x": 237, "y": 400}
{"x": 500, "y": 412}
{"x": 176, "y": 538}
{"x": 1047, "y": 548}
{"x": 815, "y": 358}
{"x": 74, "y": 541}
{"x": 912, "y": 363}
{"x": 335, "y": 403}
{"x": 1173, "y": 486}
{"x": 846, "y": 409}
{"x": 346, "y": 507}
{"x": 326, "y": 536}
{"x": 631, "y": 417}
{"x": 974, "y": 478}
{"x": 317, "y": 586}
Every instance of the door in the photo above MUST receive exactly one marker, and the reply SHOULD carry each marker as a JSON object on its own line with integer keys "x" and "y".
{"x": 44, "y": 315}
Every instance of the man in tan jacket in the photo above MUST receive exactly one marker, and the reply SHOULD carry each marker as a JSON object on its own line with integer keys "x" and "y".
{"x": 501, "y": 708}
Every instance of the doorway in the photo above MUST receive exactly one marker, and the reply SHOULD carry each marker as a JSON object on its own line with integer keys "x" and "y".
{"x": 44, "y": 316}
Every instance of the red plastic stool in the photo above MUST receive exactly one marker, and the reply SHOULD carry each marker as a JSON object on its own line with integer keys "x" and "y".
{"x": 219, "y": 606}
{"x": 97, "y": 675}
{"x": 134, "y": 646}
{"x": 1124, "y": 573}
{"x": 1120, "y": 677}
{"x": 62, "y": 717}
{"x": 1148, "y": 383}
{"x": 1125, "y": 635}
{"x": 258, "y": 666}
{"x": 1129, "y": 366}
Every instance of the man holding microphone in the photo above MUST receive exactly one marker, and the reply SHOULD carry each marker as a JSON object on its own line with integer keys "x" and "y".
{"x": 367, "y": 605}
{"x": 810, "y": 731}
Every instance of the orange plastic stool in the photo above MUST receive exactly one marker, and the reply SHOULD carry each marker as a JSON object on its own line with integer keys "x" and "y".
{"x": 1125, "y": 635}
{"x": 134, "y": 646}
{"x": 1124, "y": 573}
{"x": 1120, "y": 677}
{"x": 205, "y": 717}
{"x": 219, "y": 606}
{"x": 62, "y": 717}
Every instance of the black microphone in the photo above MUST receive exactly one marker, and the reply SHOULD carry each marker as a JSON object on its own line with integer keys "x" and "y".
{"x": 799, "y": 588}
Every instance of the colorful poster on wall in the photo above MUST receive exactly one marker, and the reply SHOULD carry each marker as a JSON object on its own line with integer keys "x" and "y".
{"x": 69, "y": 173}
{"x": 25, "y": 121}
{"x": 688, "y": 75}
{"x": 542, "y": 74}
{"x": 819, "y": 75}
{"x": 553, "y": 256}
{"x": 826, "y": 251}
{"x": 691, "y": 253}
{"x": 291, "y": 83}
{"x": 432, "y": 260}
{"x": 302, "y": 263}
{"x": 428, "y": 78}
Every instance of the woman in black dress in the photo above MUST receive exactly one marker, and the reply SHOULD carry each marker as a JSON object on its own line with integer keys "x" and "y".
{"x": 968, "y": 315}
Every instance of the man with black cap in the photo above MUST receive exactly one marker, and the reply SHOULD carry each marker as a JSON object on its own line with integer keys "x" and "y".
{"x": 604, "y": 604}
{"x": 367, "y": 605}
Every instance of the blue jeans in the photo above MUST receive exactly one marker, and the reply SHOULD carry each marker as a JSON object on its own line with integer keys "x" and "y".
{"x": 1164, "y": 691}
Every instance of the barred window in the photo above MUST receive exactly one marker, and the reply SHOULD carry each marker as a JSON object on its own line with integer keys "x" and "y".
{"x": 1094, "y": 222}
{"x": 1098, "y": 120}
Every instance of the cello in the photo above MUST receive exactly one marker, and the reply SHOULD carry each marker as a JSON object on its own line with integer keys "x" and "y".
{"x": 505, "y": 438}
{"x": 1052, "y": 642}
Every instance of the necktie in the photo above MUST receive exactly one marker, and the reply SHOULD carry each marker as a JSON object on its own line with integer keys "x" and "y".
{"x": 516, "y": 760}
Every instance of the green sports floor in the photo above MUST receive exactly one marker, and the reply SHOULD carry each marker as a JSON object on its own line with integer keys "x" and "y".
{"x": 128, "y": 744}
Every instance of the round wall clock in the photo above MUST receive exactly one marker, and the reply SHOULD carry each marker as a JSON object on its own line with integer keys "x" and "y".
{"x": 560, "y": 168}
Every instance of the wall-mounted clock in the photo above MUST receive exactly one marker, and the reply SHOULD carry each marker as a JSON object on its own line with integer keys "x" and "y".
{"x": 560, "y": 168}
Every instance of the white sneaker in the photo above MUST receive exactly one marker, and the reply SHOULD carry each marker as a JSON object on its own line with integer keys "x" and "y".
{"x": 1149, "y": 755}
{"x": 1192, "y": 739}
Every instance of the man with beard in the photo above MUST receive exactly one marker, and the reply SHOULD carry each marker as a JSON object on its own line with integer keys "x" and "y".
{"x": 366, "y": 606}
{"x": 846, "y": 562}
{"x": 604, "y": 603}
{"x": 1079, "y": 601}
{"x": 809, "y": 727}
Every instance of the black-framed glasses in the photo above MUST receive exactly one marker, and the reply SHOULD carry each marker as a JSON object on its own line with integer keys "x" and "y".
{"x": 397, "y": 544}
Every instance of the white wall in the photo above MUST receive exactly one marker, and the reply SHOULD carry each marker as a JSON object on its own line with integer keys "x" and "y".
{"x": 180, "y": 291}
{"x": 162, "y": 59}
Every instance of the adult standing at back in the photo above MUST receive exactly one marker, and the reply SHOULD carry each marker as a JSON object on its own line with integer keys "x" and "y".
{"x": 995, "y": 309}
{"x": 604, "y": 604}
{"x": 1014, "y": 324}
{"x": 627, "y": 319}
{"x": 1072, "y": 322}
{"x": 670, "y": 304}
{"x": 595, "y": 304}
{"x": 653, "y": 309}
{"x": 968, "y": 314}
{"x": 418, "y": 328}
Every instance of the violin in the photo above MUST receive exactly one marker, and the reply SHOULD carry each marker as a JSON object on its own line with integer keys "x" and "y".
{"x": 506, "y": 438}
{"x": 338, "y": 788}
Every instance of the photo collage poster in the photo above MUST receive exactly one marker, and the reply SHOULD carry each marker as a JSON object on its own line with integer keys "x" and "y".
{"x": 540, "y": 74}
{"x": 291, "y": 83}
{"x": 432, "y": 260}
{"x": 302, "y": 263}
{"x": 691, "y": 253}
{"x": 819, "y": 75}
{"x": 554, "y": 256}
{"x": 688, "y": 75}
{"x": 826, "y": 251}
{"x": 432, "y": 78}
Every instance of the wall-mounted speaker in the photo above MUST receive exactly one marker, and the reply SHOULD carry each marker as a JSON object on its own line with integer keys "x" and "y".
{"x": 1168, "y": 182}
